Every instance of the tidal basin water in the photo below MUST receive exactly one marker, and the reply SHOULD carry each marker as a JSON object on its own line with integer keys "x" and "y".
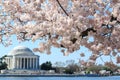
{"x": 61, "y": 78}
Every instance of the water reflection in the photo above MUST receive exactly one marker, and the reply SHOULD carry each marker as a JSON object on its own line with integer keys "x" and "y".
{"x": 61, "y": 78}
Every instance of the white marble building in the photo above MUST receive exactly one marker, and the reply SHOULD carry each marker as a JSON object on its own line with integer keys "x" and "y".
{"x": 22, "y": 58}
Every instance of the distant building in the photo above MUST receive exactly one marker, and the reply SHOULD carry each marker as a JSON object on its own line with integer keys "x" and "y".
{"x": 21, "y": 59}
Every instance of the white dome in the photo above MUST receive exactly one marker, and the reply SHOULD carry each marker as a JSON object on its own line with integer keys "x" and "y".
{"x": 21, "y": 50}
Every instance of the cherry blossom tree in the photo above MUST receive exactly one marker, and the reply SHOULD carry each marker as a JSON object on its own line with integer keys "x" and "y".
{"x": 65, "y": 24}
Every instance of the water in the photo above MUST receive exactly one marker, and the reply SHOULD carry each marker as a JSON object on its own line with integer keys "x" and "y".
{"x": 61, "y": 78}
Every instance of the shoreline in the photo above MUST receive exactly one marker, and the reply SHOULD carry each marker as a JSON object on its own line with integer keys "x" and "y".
{"x": 49, "y": 75}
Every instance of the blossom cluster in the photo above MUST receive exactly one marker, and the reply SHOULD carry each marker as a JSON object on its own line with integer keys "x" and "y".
{"x": 65, "y": 24}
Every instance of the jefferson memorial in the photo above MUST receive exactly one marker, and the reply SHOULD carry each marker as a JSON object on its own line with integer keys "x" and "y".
{"x": 22, "y": 59}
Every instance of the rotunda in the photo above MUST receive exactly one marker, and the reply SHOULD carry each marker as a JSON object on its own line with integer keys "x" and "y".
{"x": 22, "y": 58}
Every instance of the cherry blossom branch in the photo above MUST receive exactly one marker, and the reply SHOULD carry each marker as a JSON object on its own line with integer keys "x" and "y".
{"x": 62, "y": 7}
{"x": 24, "y": 33}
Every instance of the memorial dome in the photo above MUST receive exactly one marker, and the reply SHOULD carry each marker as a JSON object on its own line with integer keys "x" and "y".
{"x": 21, "y": 50}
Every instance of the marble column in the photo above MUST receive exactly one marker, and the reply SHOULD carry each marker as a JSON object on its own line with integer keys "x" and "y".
{"x": 17, "y": 62}
{"x": 13, "y": 62}
{"x": 20, "y": 63}
{"x": 30, "y": 63}
{"x": 9, "y": 62}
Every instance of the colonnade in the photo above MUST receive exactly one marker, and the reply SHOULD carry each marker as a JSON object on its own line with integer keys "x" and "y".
{"x": 26, "y": 62}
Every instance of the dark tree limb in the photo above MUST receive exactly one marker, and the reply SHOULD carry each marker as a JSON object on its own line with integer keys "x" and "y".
{"x": 85, "y": 33}
{"x": 109, "y": 33}
{"x": 62, "y": 7}
{"x": 74, "y": 40}
{"x": 114, "y": 19}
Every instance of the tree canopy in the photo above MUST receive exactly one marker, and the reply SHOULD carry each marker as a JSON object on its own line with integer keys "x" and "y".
{"x": 46, "y": 66}
{"x": 65, "y": 24}
{"x": 3, "y": 64}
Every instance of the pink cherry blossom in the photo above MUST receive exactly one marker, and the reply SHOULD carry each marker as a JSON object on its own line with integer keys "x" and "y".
{"x": 66, "y": 24}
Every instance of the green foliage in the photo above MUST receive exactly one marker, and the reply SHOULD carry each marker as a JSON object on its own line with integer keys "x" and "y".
{"x": 107, "y": 69}
{"x": 3, "y": 57}
{"x": 68, "y": 71}
{"x": 3, "y": 65}
{"x": 87, "y": 71}
{"x": 95, "y": 69}
{"x": 46, "y": 66}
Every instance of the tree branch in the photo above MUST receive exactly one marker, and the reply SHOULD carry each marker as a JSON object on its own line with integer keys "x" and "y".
{"x": 85, "y": 33}
{"x": 62, "y": 7}
{"x": 109, "y": 33}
